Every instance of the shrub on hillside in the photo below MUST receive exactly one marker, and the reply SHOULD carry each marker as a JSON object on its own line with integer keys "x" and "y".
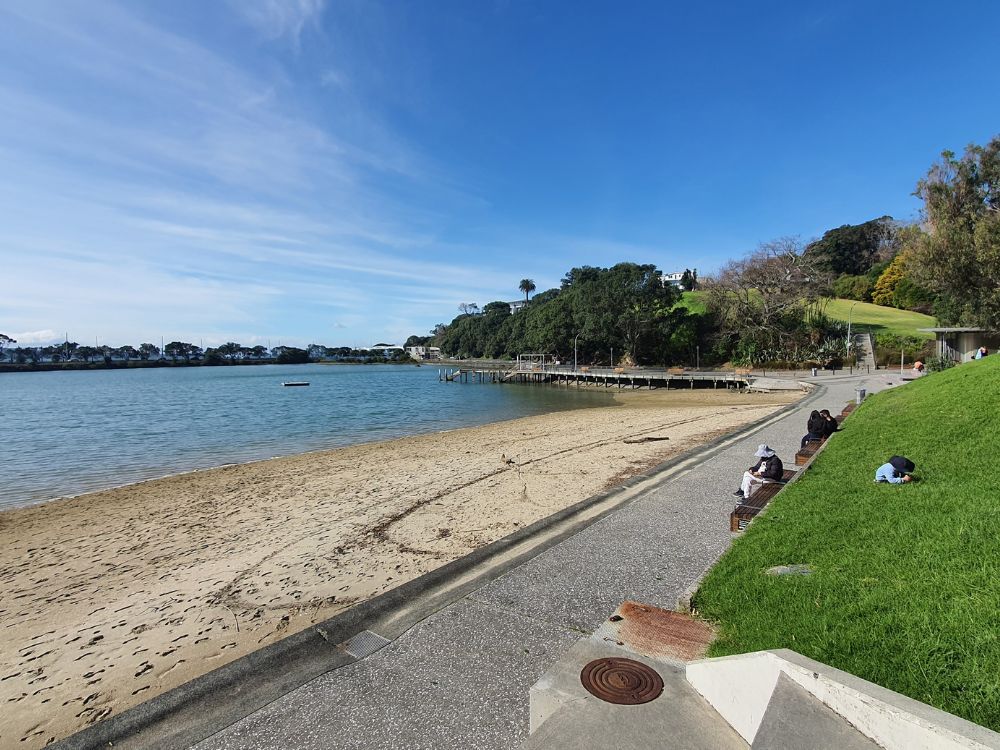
{"x": 937, "y": 364}
{"x": 853, "y": 287}
{"x": 889, "y": 346}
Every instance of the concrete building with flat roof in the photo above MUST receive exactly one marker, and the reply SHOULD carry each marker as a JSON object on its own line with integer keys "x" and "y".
{"x": 961, "y": 344}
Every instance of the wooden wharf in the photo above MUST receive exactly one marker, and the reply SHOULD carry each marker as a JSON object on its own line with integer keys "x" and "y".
{"x": 620, "y": 378}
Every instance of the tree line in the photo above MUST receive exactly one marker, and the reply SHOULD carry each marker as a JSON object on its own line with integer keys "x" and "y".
{"x": 182, "y": 352}
{"x": 769, "y": 305}
{"x": 625, "y": 314}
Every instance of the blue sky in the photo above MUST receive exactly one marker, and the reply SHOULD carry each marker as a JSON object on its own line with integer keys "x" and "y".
{"x": 349, "y": 172}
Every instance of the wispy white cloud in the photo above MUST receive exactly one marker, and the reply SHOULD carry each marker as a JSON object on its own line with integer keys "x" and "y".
{"x": 280, "y": 19}
{"x": 335, "y": 79}
{"x": 154, "y": 185}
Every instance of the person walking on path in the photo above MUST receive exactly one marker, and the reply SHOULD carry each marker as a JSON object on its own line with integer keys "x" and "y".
{"x": 895, "y": 471}
{"x": 767, "y": 469}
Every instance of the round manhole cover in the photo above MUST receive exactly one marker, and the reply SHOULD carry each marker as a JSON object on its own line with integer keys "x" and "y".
{"x": 622, "y": 681}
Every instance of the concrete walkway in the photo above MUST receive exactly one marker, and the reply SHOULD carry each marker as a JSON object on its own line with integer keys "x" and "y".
{"x": 460, "y": 677}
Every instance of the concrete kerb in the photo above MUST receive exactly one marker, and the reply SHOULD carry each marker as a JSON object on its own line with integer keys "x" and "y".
{"x": 198, "y": 709}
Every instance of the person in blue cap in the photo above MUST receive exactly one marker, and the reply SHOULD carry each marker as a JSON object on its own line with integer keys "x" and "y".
{"x": 896, "y": 471}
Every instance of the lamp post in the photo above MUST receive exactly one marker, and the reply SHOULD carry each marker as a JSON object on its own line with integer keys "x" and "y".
{"x": 574, "y": 351}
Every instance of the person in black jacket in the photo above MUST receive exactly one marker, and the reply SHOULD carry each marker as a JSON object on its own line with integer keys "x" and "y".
{"x": 830, "y": 424}
{"x": 815, "y": 428}
{"x": 767, "y": 469}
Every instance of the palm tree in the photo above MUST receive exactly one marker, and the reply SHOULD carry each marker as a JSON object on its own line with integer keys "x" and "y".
{"x": 527, "y": 286}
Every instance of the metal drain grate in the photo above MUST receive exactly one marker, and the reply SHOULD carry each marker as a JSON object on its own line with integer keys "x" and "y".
{"x": 364, "y": 644}
{"x": 622, "y": 681}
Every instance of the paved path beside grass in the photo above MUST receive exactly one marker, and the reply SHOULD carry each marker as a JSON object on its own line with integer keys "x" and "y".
{"x": 460, "y": 678}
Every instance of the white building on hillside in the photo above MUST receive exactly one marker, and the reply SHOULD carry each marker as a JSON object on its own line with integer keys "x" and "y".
{"x": 673, "y": 279}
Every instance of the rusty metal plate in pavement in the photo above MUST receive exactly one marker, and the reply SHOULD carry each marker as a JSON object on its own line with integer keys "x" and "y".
{"x": 656, "y": 632}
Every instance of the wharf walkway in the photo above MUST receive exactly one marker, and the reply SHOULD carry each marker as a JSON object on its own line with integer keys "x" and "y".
{"x": 633, "y": 378}
{"x": 607, "y": 377}
{"x": 456, "y": 658}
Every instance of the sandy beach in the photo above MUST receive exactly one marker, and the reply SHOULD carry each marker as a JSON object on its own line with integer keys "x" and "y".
{"x": 111, "y": 598}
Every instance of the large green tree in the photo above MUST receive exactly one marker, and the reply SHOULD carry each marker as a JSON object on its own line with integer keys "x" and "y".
{"x": 148, "y": 350}
{"x": 959, "y": 256}
{"x": 527, "y": 286}
{"x": 853, "y": 248}
{"x": 624, "y": 308}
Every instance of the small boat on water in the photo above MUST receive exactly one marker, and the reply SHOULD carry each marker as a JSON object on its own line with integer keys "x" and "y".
{"x": 295, "y": 382}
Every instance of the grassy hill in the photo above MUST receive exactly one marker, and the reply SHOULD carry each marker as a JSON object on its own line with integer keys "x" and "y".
{"x": 869, "y": 318}
{"x": 693, "y": 301}
{"x": 906, "y": 584}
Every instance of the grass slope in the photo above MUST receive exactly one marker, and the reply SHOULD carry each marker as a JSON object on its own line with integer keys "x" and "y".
{"x": 693, "y": 301}
{"x": 906, "y": 588}
{"x": 878, "y": 319}
{"x": 866, "y": 317}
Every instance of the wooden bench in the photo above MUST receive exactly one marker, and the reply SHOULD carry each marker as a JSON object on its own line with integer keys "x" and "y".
{"x": 761, "y": 495}
{"x": 851, "y": 406}
{"x": 804, "y": 455}
{"x": 675, "y": 371}
{"x": 743, "y": 371}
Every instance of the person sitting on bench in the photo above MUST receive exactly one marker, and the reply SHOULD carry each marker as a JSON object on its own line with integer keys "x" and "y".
{"x": 767, "y": 469}
{"x": 829, "y": 423}
{"x": 815, "y": 428}
{"x": 896, "y": 471}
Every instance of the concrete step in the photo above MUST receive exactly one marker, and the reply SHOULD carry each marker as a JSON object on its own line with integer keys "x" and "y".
{"x": 565, "y": 715}
{"x": 795, "y": 720}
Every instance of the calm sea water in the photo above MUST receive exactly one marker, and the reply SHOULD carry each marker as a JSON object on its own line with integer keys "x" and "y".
{"x": 64, "y": 433}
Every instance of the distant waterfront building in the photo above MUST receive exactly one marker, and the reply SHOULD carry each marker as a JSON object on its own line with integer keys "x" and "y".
{"x": 386, "y": 350}
{"x": 424, "y": 352}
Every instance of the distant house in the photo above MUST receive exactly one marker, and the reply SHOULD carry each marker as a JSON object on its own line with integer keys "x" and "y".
{"x": 386, "y": 350}
{"x": 673, "y": 279}
{"x": 517, "y": 305}
{"x": 424, "y": 352}
{"x": 961, "y": 344}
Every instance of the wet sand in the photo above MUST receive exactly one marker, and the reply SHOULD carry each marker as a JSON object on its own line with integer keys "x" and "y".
{"x": 111, "y": 598}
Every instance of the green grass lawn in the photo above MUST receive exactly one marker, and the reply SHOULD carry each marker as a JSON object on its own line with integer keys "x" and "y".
{"x": 877, "y": 319}
{"x": 693, "y": 301}
{"x": 866, "y": 317}
{"x": 906, "y": 588}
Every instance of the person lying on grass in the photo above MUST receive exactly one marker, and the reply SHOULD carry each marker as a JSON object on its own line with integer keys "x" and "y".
{"x": 767, "y": 469}
{"x": 896, "y": 471}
